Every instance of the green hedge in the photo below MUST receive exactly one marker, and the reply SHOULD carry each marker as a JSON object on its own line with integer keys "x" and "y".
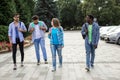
{"x": 3, "y": 33}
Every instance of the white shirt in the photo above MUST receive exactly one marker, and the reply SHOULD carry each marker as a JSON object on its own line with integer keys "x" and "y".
{"x": 37, "y": 32}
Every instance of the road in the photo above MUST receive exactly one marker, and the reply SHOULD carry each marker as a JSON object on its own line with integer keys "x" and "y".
{"x": 107, "y": 62}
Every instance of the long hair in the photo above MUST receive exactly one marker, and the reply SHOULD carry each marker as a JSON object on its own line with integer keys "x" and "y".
{"x": 56, "y": 22}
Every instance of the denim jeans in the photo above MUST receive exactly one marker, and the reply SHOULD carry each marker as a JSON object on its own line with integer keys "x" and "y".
{"x": 58, "y": 49}
{"x": 90, "y": 54}
{"x": 37, "y": 43}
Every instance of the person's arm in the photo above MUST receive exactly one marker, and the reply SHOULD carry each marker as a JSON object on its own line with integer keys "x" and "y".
{"x": 83, "y": 32}
{"x": 10, "y": 34}
{"x": 10, "y": 39}
{"x": 44, "y": 27}
{"x": 22, "y": 27}
{"x": 97, "y": 36}
{"x": 30, "y": 29}
{"x": 49, "y": 33}
{"x": 62, "y": 37}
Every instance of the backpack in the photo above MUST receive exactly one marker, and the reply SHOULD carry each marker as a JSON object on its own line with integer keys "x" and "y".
{"x": 39, "y": 23}
{"x": 22, "y": 32}
{"x": 86, "y": 30}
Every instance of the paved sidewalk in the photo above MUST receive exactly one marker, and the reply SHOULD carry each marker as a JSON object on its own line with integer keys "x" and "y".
{"x": 107, "y": 62}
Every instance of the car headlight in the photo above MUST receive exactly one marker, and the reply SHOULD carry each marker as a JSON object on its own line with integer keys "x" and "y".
{"x": 107, "y": 35}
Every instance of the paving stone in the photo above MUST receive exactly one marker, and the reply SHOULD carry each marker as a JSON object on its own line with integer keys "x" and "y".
{"x": 107, "y": 62}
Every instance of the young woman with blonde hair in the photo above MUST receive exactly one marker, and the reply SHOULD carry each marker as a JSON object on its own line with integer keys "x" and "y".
{"x": 56, "y": 42}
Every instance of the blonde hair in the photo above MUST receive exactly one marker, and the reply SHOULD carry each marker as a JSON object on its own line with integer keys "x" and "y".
{"x": 56, "y": 22}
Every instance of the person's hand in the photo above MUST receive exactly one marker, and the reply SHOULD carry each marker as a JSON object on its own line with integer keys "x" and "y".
{"x": 62, "y": 46}
{"x": 95, "y": 46}
{"x": 42, "y": 28}
{"x": 49, "y": 32}
{"x": 10, "y": 42}
{"x": 32, "y": 29}
{"x": 20, "y": 29}
{"x": 86, "y": 31}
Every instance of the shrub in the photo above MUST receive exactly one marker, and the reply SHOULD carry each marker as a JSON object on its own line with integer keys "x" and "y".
{"x": 3, "y": 33}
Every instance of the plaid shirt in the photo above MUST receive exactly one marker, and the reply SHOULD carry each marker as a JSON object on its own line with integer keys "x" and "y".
{"x": 59, "y": 36}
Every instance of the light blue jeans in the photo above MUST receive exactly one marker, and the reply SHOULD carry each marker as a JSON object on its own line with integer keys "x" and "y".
{"x": 58, "y": 49}
{"x": 37, "y": 43}
{"x": 90, "y": 54}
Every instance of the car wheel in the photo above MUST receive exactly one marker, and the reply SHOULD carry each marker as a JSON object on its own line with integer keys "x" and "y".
{"x": 118, "y": 41}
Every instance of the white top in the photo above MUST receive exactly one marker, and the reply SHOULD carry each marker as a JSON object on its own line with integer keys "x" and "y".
{"x": 37, "y": 31}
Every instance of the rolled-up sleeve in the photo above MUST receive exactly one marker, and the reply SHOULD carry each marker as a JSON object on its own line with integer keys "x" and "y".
{"x": 97, "y": 35}
{"x": 44, "y": 25}
{"x": 23, "y": 26}
{"x": 62, "y": 36}
{"x": 10, "y": 30}
{"x": 30, "y": 26}
{"x": 83, "y": 30}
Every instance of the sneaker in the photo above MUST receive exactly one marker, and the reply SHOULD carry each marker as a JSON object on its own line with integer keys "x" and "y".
{"x": 22, "y": 64}
{"x": 87, "y": 69}
{"x": 92, "y": 66}
{"x": 38, "y": 63}
{"x": 46, "y": 62}
{"x": 60, "y": 66}
{"x": 15, "y": 67}
{"x": 53, "y": 70}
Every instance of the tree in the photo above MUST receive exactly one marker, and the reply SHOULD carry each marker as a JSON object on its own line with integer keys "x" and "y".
{"x": 79, "y": 17}
{"x": 67, "y": 12}
{"x": 46, "y": 10}
{"x": 102, "y": 10}
{"x": 24, "y": 10}
{"x": 7, "y": 8}
{"x": 31, "y": 5}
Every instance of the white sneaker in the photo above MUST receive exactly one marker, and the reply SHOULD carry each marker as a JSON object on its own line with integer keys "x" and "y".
{"x": 53, "y": 70}
{"x": 60, "y": 66}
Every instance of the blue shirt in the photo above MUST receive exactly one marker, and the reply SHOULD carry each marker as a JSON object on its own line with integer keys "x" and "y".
{"x": 95, "y": 33}
{"x": 16, "y": 29}
{"x": 54, "y": 36}
{"x": 59, "y": 35}
{"x": 12, "y": 32}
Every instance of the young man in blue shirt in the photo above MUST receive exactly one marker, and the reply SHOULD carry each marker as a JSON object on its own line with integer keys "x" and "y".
{"x": 15, "y": 33}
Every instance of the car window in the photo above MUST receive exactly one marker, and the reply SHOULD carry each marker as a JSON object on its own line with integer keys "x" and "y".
{"x": 109, "y": 28}
{"x": 117, "y": 30}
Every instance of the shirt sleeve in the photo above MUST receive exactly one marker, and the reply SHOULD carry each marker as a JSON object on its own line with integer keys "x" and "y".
{"x": 83, "y": 30}
{"x": 10, "y": 30}
{"x": 62, "y": 36}
{"x": 30, "y": 26}
{"x": 97, "y": 35}
{"x": 49, "y": 35}
{"x": 44, "y": 25}
{"x": 23, "y": 26}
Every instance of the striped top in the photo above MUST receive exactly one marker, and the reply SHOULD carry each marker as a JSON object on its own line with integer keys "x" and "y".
{"x": 58, "y": 37}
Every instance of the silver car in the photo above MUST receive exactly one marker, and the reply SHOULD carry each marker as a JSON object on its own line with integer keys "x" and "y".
{"x": 114, "y": 36}
{"x": 105, "y": 31}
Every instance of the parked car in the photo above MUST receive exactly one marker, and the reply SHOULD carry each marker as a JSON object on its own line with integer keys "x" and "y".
{"x": 103, "y": 31}
{"x": 114, "y": 36}
{"x": 103, "y": 28}
{"x": 109, "y": 30}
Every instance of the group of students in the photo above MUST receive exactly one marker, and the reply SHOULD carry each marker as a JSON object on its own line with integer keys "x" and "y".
{"x": 37, "y": 28}
{"x": 56, "y": 36}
